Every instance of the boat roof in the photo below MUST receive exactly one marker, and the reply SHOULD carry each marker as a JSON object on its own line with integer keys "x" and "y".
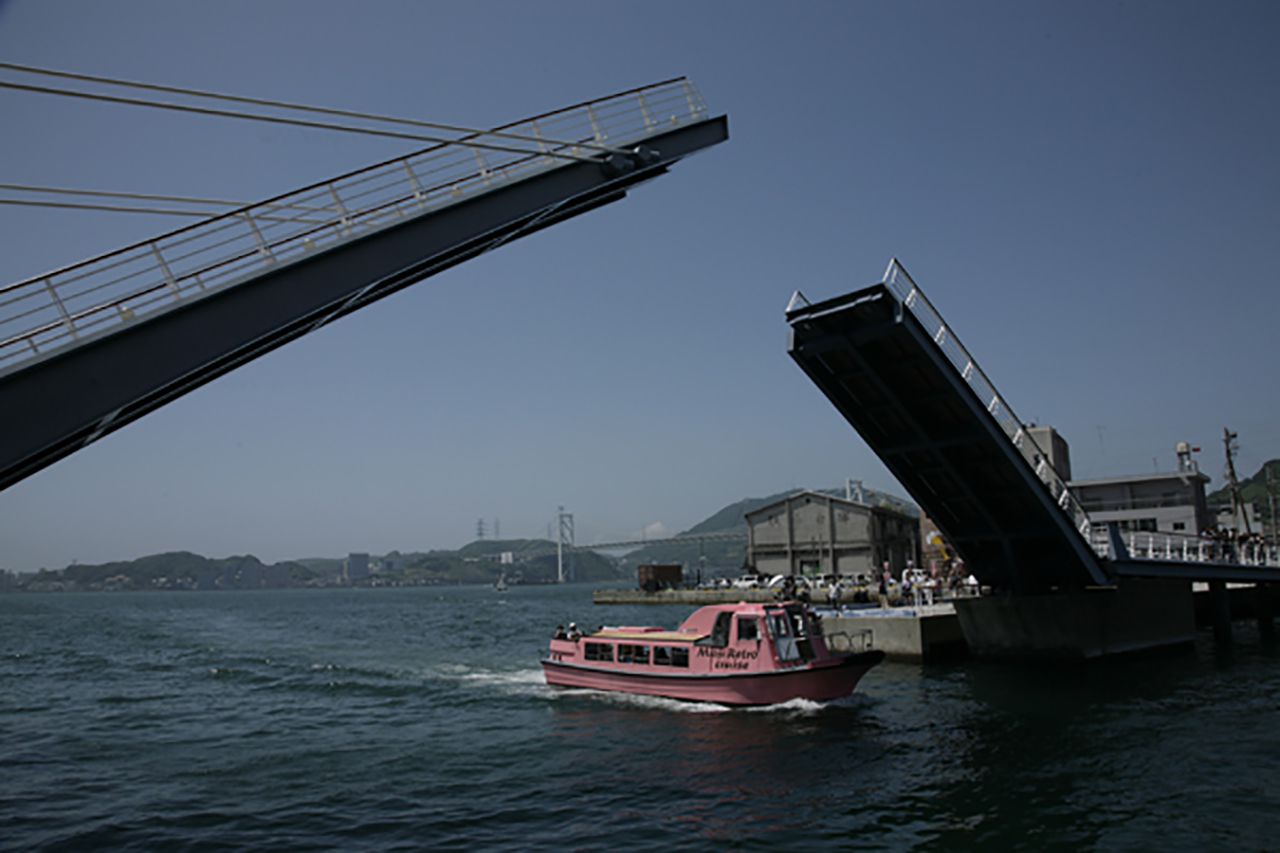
{"x": 648, "y": 634}
{"x": 698, "y": 625}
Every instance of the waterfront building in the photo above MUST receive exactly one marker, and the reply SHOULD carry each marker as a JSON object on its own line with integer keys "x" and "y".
{"x": 811, "y": 533}
{"x": 355, "y": 568}
{"x": 1164, "y": 502}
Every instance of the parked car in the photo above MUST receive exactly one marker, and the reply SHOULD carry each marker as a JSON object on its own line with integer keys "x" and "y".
{"x": 748, "y": 582}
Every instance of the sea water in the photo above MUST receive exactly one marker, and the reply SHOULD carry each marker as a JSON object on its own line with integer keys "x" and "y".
{"x": 418, "y": 719}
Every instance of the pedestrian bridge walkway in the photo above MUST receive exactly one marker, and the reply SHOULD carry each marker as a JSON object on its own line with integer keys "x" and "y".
{"x": 90, "y": 347}
{"x": 899, "y": 375}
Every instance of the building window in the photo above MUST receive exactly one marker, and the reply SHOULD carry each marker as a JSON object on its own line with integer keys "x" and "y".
{"x": 598, "y": 651}
{"x": 1178, "y": 525}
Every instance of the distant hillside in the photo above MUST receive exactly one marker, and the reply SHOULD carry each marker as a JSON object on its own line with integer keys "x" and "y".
{"x": 175, "y": 570}
{"x": 533, "y": 561}
{"x": 1252, "y": 489}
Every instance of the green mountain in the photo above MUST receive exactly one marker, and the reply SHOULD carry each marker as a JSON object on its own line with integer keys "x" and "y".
{"x": 176, "y": 570}
{"x": 1252, "y": 489}
{"x": 532, "y": 561}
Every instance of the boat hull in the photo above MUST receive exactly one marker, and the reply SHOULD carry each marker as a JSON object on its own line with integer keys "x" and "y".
{"x": 820, "y": 683}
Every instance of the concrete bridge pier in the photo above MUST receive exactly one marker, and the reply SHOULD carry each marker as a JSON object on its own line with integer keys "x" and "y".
{"x": 1264, "y": 607}
{"x": 1220, "y": 612}
{"x": 1132, "y": 616}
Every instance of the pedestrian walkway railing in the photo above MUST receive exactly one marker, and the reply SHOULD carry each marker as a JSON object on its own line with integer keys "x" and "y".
{"x": 100, "y": 295}
{"x": 1185, "y": 548}
{"x": 905, "y": 288}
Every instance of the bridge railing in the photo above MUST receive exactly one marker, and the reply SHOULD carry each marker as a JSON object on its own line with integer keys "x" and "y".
{"x": 1186, "y": 548}
{"x": 905, "y": 288}
{"x": 99, "y": 295}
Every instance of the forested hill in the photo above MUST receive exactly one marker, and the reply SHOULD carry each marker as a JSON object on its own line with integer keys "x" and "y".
{"x": 1252, "y": 489}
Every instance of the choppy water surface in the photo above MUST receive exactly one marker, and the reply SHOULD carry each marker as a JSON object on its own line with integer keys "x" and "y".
{"x": 379, "y": 719}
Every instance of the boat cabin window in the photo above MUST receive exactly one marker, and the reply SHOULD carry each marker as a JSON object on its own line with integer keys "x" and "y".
{"x": 748, "y": 628}
{"x": 598, "y": 651}
{"x": 632, "y": 654}
{"x": 671, "y": 656}
{"x": 720, "y": 633}
{"x": 778, "y": 625}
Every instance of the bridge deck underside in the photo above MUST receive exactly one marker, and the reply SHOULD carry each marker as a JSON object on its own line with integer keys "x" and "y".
{"x": 879, "y": 368}
{"x": 63, "y": 402}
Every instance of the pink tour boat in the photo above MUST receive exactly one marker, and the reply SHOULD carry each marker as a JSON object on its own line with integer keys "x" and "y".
{"x": 732, "y": 654}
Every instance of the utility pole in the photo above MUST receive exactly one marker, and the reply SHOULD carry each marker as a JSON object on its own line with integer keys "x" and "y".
{"x": 1233, "y": 483}
{"x": 1272, "y": 485}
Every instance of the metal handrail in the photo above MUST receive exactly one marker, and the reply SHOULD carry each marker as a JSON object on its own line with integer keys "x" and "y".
{"x": 53, "y": 310}
{"x": 909, "y": 293}
{"x": 1189, "y": 548}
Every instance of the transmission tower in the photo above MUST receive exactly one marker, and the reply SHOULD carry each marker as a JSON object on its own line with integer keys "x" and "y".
{"x": 479, "y": 528}
{"x": 564, "y": 542}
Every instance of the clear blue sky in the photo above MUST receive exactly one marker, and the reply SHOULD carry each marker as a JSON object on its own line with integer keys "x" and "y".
{"x": 1088, "y": 191}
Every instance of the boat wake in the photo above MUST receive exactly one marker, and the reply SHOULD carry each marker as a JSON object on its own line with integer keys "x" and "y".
{"x": 518, "y": 682}
{"x": 790, "y": 708}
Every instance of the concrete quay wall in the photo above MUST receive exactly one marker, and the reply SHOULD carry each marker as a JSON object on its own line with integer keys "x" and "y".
{"x": 1130, "y": 617}
{"x": 906, "y": 634}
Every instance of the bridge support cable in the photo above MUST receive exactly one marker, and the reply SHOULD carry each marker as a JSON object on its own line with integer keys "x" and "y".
{"x": 270, "y": 119}
{"x": 537, "y": 138}
{"x": 90, "y": 347}
{"x": 127, "y": 202}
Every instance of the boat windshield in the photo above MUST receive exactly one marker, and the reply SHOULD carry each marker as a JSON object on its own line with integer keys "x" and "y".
{"x": 720, "y": 633}
{"x": 800, "y": 630}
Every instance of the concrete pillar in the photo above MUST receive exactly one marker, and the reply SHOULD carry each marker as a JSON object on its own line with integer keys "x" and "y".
{"x": 1264, "y": 608}
{"x": 1220, "y": 610}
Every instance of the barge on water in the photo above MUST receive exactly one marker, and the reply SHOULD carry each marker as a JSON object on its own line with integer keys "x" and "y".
{"x": 731, "y": 654}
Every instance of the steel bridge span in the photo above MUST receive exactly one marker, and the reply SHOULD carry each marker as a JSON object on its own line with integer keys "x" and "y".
{"x": 899, "y": 375}
{"x": 89, "y": 348}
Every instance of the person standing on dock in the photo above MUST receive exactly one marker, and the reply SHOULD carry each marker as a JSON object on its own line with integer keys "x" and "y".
{"x": 884, "y": 585}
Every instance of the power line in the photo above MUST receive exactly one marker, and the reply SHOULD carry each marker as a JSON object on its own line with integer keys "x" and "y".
{"x": 264, "y": 102}
{"x": 321, "y": 125}
{"x": 114, "y": 208}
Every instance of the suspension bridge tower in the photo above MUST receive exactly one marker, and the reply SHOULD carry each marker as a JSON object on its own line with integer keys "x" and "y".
{"x": 564, "y": 543}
